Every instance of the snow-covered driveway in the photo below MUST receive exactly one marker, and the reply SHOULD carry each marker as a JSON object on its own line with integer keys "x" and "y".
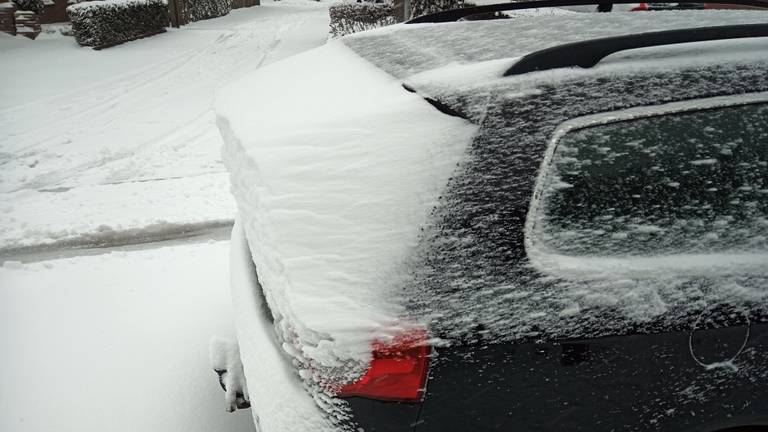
{"x": 104, "y": 146}
{"x": 103, "y": 154}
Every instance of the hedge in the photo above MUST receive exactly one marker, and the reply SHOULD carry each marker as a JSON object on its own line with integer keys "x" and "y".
{"x": 110, "y": 22}
{"x": 424, "y": 7}
{"x": 349, "y": 18}
{"x": 36, "y": 6}
{"x": 196, "y": 10}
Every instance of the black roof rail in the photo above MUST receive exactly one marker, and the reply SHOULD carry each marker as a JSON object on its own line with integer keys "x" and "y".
{"x": 588, "y": 53}
{"x": 457, "y": 14}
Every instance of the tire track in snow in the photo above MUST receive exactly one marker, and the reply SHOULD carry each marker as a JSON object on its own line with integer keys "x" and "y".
{"x": 134, "y": 95}
{"x": 177, "y": 78}
{"x": 109, "y": 93}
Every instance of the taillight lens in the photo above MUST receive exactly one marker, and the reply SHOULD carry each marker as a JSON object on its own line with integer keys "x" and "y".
{"x": 640, "y": 7}
{"x": 398, "y": 370}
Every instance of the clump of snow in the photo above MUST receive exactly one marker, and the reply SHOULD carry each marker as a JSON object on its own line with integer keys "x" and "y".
{"x": 11, "y": 264}
{"x": 55, "y": 30}
{"x": 537, "y": 12}
{"x": 704, "y": 162}
{"x": 225, "y": 360}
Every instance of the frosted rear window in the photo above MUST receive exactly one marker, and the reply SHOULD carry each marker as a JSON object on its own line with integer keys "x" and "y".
{"x": 694, "y": 182}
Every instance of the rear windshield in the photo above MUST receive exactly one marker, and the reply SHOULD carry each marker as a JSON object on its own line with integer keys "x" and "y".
{"x": 684, "y": 183}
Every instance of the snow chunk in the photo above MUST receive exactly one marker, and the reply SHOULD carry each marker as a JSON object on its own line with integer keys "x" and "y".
{"x": 704, "y": 162}
{"x": 15, "y": 265}
{"x": 225, "y": 360}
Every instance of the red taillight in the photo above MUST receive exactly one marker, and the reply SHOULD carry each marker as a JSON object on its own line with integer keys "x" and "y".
{"x": 398, "y": 370}
{"x": 640, "y": 7}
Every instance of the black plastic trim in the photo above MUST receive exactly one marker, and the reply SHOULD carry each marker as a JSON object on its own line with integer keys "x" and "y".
{"x": 457, "y": 14}
{"x": 588, "y": 53}
{"x": 440, "y": 106}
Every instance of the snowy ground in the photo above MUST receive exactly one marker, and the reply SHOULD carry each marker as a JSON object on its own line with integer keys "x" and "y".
{"x": 96, "y": 143}
{"x": 113, "y": 148}
{"x": 115, "y": 342}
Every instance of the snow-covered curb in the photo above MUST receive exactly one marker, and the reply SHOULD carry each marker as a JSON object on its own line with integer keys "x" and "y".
{"x": 110, "y": 215}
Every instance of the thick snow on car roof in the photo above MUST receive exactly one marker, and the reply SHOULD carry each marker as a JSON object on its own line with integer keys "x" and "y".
{"x": 408, "y": 49}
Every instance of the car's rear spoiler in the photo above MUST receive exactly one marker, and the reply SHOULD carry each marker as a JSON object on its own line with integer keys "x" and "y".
{"x": 588, "y": 53}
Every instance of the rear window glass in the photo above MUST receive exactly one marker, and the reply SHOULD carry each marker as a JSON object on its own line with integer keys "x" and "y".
{"x": 692, "y": 182}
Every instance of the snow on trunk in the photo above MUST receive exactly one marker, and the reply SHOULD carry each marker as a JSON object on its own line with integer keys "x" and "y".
{"x": 334, "y": 176}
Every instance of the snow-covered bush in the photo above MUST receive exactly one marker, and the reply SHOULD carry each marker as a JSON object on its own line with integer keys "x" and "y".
{"x": 349, "y": 18}
{"x": 36, "y": 6}
{"x": 196, "y": 10}
{"x": 424, "y": 7}
{"x": 110, "y": 22}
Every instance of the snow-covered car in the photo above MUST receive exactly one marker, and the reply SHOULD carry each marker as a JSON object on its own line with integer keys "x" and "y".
{"x": 541, "y": 223}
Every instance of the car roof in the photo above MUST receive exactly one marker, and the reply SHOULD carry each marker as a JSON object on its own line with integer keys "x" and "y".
{"x": 409, "y": 49}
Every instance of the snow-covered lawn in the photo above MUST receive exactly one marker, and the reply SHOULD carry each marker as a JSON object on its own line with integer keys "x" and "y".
{"x": 110, "y": 148}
